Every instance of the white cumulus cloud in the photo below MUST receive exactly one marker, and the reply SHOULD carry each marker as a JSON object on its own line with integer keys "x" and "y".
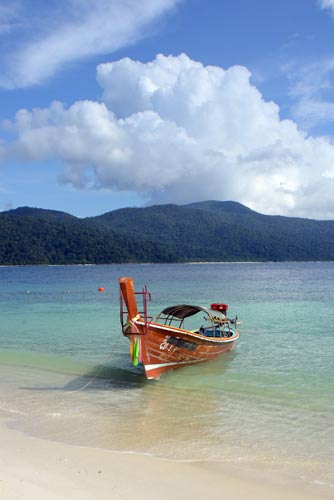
{"x": 175, "y": 130}
{"x": 327, "y": 4}
{"x": 311, "y": 89}
{"x": 49, "y": 35}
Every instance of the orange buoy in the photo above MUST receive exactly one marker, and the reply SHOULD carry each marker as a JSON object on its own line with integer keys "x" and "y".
{"x": 101, "y": 289}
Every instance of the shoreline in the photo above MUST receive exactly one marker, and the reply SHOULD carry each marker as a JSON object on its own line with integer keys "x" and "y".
{"x": 175, "y": 263}
{"x": 35, "y": 469}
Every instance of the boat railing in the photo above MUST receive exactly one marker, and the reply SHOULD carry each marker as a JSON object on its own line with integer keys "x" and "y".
{"x": 217, "y": 330}
{"x": 170, "y": 320}
{"x": 212, "y": 327}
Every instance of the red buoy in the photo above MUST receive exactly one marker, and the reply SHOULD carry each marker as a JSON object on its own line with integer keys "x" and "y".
{"x": 101, "y": 289}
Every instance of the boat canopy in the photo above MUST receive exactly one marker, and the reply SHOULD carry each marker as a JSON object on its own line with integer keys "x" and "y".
{"x": 182, "y": 311}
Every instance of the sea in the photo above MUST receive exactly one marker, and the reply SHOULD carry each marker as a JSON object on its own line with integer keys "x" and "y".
{"x": 66, "y": 373}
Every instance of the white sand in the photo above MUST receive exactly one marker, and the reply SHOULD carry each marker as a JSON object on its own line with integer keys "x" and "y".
{"x": 35, "y": 469}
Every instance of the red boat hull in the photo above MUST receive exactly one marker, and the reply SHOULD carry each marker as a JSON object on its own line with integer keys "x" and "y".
{"x": 164, "y": 348}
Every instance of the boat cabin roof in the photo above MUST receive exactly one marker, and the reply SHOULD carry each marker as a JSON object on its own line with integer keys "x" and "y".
{"x": 182, "y": 311}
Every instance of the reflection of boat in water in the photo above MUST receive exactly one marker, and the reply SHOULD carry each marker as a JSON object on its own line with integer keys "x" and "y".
{"x": 165, "y": 344}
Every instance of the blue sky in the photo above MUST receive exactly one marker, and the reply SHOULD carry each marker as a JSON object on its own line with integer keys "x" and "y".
{"x": 238, "y": 105}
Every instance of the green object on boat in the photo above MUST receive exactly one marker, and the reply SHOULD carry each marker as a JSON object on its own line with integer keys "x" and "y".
{"x": 136, "y": 351}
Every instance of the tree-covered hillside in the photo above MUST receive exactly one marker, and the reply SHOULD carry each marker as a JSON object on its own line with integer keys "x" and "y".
{"x": 36, "y": 239}
{"x": 204, "y": 231}
{"x": 225, "y": 231}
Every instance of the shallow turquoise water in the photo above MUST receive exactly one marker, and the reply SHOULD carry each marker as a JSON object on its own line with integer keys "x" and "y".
{"x": 269, "y": 400}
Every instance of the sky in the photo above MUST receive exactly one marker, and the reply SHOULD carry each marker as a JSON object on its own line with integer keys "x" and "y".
{"x": 106, "y": 104}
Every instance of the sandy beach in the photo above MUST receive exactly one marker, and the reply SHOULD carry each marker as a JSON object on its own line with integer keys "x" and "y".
{"x": 33, "y": 469}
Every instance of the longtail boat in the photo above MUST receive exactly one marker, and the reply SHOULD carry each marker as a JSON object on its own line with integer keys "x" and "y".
{"x": 165, "y": 344}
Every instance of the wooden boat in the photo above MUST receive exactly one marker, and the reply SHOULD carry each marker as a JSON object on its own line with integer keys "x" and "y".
{"x": 164, "y": 344}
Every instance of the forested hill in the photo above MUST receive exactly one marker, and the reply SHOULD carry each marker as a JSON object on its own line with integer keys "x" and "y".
{"x": 203, "y": 231}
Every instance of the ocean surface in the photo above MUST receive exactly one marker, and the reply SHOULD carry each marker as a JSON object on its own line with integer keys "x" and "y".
{"x": 66, "y": 375}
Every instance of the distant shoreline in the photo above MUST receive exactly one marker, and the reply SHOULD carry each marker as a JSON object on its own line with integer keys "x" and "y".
{"x": 204, "y": 232}
{"x": 192, "y": 263}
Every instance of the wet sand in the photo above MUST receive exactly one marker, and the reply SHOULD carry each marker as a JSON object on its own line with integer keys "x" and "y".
{"x": 36, "y": 469}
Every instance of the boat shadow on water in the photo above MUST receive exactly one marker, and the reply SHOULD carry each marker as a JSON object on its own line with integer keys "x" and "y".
{"x": 108, "y": 378}
{"x": 104, "y": 378}
{"x": 100, "y": 377}
{"x": 118, "y": 378}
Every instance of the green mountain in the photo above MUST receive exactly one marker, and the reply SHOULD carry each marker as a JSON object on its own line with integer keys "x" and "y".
{"x": 203, "y": 231}
{"x": 224, "y": 231}
{"x": 41, "y": 213}
{"x": 221, "y": 206}
{"x": 36, "y": 236}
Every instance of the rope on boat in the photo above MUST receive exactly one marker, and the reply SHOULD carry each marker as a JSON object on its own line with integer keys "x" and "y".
{"x": 101, "y": 367}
